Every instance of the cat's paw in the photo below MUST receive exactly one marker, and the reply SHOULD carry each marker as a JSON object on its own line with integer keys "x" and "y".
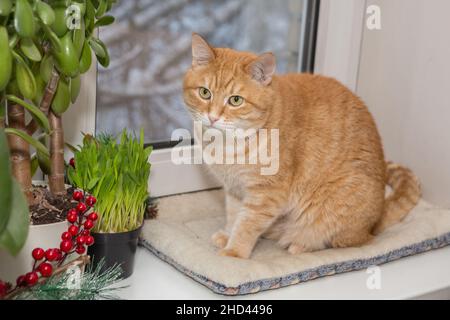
{"x": 220, "y": 239}
{"x": 297, "y": 249}
{"x": 233, "y": 253}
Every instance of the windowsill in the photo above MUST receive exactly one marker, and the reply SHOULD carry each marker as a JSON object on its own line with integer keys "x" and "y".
{"x": 407, "y": 278}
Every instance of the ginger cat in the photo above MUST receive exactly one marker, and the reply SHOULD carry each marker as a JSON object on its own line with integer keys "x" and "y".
{"x": 329, "y": 190}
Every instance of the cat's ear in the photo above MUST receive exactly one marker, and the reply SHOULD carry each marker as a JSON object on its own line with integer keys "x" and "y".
{"x": 263, "y": 68}
{"x": 202, "y": 53}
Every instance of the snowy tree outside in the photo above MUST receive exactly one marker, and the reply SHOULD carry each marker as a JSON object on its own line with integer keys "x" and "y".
{"x": 150, "y": 48}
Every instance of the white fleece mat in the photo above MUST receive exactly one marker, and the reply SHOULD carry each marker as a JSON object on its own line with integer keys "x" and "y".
{"x": 180, "y": 235}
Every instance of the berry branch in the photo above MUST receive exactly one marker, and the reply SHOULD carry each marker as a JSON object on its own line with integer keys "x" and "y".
{"x": 79, "y": 262}
{"x": 75, "y": 240}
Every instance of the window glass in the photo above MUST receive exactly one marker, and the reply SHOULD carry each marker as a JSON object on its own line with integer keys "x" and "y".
{"x": 150, "y": 48}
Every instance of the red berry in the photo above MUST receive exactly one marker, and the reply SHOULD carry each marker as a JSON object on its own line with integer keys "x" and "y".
{"x": 89, "y": 240}
{"x": 72, "y": 211}
{"x": 85, "y": 233}
{"x": 81, "y": 240}
{"x": 93, "y": 216}
{"x": 77, "y": 195}
{"x": 58, "y": 254}
{"x": 66, "y": 236}
{"x": 51, "y": 254}
{"x": 88, "y": 224}
{"x": 80, "y": 249}
{"x": 90, "y": 201}
{"x": 72, "y": 162}
{"x": 65, "y": 246}
{"x": 81, "y": 207}
{"x": 38, "y": 253}
{"x": 4, "y": 288}
{"x": 31, "y": 278}
{"x": 72, "y": 217}
{"x": 21, "y": 281}
{"x": 46, "y": 269}
{"x": 73, "y": 230}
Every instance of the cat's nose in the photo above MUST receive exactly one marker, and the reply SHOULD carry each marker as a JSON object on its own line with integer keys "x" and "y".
{"x": 212, "y": 118}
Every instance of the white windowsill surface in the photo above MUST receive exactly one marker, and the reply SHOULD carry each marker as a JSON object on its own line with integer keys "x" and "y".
{"x": 422, "y": 275}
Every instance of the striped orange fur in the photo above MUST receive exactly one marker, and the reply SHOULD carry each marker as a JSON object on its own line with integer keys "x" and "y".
{"x": 330, "y": 187}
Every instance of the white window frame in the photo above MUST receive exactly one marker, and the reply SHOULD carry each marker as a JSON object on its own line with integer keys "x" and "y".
{"x": 337, "y": 55}
{"x": 339, "y": 39}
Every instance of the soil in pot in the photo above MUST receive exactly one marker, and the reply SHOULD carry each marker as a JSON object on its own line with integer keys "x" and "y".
{"x": 115, "y": 249}
{"x": 47, "y": 208}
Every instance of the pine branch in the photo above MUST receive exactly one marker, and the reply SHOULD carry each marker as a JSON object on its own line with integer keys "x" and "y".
{"x": 93, "y": 284}
{"x": 79, "y": 262}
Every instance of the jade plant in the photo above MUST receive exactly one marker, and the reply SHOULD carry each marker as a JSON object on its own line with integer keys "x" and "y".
{"x": 45, "y": 46}
{"x": 116, "y": 173}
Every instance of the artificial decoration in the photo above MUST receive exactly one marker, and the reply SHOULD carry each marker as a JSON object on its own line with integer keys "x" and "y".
{"x": 73, "y": 241}
{"x": 93, "y": 284}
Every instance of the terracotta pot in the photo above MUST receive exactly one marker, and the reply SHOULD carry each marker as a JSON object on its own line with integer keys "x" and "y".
{"x": 43, "y": 236}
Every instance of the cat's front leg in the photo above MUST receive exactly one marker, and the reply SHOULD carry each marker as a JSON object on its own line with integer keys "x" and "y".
{"x": 258, "y": 213}
{"x": 232, "y": 206}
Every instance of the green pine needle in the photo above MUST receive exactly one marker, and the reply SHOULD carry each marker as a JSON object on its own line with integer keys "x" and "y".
{"x": 94, "y": 284}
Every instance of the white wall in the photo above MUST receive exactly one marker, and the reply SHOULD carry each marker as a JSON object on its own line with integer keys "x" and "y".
{"x": 80, "y": 117}
{"x": 404, "y": 77}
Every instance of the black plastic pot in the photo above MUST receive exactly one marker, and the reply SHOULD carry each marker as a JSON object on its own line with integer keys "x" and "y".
{"x": 115, "y": 248}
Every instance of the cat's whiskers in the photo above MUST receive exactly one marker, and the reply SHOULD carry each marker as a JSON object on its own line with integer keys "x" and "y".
{"x": 224, "y": 125}
{"x": 197, "y": 116}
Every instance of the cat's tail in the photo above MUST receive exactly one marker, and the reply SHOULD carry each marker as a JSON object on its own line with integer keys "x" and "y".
{"x": 405, "y": 195}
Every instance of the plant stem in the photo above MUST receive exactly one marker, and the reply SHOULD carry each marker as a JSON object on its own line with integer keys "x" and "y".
{"x": 56, "y": 177}
{"x": 46, "y": 101}
{"x": 2, "y": 111}
{"x": 19, "y": 150}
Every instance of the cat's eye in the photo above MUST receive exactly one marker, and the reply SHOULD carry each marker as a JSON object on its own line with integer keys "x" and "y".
{"x": 236, "y": 101}
{"x": 205, "y": 93}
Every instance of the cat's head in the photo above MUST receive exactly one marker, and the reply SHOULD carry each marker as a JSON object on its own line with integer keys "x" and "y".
{"x": 228, "y": 89}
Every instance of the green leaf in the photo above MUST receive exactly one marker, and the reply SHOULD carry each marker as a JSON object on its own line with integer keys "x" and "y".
{"x": 45, "y": 12}
{"x": 34, "y": 164}
{"x": 74, "y": 179}
{"x": 92, "y": 183}
{"x": 5, "y": 7}
{"x": 30, "y": 50}
{"x": 56, "y": 42}
{"x": 104, "y": 61}
{"x": 101, "y": 9}
{"x": 71, "y": 147}
{"x": 24, "y": 77}
{"x": 14, "y": 236}
{"x": 98, "y": 47}
{"x": 13, "y": 40}
{"x": 89, "y": 17}
{"x": 122, "y": 171}
{"x": 104, "y": 21}
{"x": 44, "y": 162}
{"x": 35, "y": 143}
{"x": 5, "y": 182}
{"x": 37, "y": 114}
